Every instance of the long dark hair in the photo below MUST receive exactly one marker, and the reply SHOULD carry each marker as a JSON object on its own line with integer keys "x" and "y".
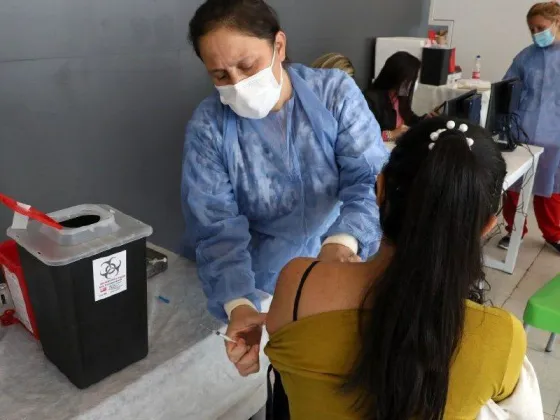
{"x": 436, "y": 204}
{"x": 252, "y": 17}
{"x": 401, "y": 69}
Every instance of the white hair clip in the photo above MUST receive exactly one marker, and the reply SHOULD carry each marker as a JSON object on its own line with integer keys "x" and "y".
{"x": 463, "y": 128}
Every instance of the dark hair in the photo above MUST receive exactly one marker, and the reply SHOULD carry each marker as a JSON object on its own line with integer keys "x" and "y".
{"x": 401, "y": 69}
{"x": 436, "y": 205}
{"x": 252, "y": 17}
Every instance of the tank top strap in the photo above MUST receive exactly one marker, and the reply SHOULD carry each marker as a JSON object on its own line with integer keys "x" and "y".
{"x": 300, "y": 288}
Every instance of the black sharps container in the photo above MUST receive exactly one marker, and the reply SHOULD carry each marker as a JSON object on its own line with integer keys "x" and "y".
{"x": 87, "y": 285}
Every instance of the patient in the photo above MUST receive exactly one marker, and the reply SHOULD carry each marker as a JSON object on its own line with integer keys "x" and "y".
{"x": 403, "y": 336}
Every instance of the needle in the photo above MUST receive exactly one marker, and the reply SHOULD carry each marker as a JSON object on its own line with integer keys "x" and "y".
{"x": 219, "y": 334}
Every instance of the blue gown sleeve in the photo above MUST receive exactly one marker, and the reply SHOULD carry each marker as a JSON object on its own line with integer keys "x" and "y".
{"x": 360, "y": 155}
{"x": 221, "y": 233}
{"x": 516, "y": 69}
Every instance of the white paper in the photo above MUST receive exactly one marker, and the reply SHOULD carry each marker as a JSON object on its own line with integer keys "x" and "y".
{"x": 17, "y": 298}
{"x": 109, "y": 275}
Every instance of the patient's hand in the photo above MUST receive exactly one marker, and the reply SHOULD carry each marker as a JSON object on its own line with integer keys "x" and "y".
{"x": 337, "y": 253}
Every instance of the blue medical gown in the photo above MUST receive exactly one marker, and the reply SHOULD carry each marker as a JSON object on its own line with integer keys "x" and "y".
{"x": 539, "y": 111}
{"x": 258, "y": 193}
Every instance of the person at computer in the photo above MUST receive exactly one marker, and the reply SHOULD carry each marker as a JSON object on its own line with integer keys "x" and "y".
{"x": 538, "y": 67}
{"x": 390, "y": 95}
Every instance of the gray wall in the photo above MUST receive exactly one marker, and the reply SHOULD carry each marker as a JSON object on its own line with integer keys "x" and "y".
{"x": 95, "y": 94}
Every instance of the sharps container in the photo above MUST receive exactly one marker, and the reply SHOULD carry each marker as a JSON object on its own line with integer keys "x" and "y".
{"x": 85, "y": 269}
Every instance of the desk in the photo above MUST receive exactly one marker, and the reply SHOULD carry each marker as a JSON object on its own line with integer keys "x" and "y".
{"x": 186, "y": 375}
{"x": 521, "y": 164}
{"x": 427, "y": 97}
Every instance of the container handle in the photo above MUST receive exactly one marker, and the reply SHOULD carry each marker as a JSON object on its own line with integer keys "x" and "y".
{"x": 22, "y": 213}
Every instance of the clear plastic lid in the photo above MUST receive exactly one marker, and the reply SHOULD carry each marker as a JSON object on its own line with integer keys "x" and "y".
{"x": 88, "y": 230}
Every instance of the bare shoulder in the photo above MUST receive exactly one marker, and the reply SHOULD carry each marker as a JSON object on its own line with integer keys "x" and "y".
{"x": 327, "y": 288}
{"x": 281, "y": 308}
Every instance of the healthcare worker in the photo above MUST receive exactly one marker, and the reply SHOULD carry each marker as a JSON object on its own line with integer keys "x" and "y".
{"x": 538, "y": 67}
{"x": 335, "y": 61}
{"x": 279, "y": 162}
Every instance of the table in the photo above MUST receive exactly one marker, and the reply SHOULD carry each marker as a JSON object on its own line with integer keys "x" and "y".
{"x": 185, "y": 376}
{"x": 521, "y": 165}
{"x": 427, "y": 98}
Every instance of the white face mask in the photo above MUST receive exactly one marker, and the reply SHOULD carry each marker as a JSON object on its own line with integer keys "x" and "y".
{"x": 255, "y": 96}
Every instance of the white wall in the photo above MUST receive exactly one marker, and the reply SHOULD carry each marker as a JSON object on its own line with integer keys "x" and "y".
{"x": 495, "y": 29}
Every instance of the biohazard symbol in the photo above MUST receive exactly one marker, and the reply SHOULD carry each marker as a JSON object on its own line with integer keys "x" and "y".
{"x": 110, "y": 269}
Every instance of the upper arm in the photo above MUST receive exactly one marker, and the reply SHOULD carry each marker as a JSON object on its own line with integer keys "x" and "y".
{"x": 360, "y": 156}
{"x": 359, "y": 141}
{"x": 206, "y": 187}
{"x": 372, "y": 100}
{"x": 516, "y": 68}
{"x": 204, "y": 173}
{"x": 514, "y": 363}
{"x": 282, "y": 306}
{"x": 326, "y": 289}
{"x": 218, "y": 232}
{"x": 377, "y": 105}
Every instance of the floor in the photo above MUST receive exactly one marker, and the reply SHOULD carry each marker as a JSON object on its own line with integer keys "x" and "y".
{"x": 536, "y": 265}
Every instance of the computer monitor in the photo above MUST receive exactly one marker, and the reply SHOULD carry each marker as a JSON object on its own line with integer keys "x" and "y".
{"x": 504, "y": 102}
{"x": 466, "y": 107}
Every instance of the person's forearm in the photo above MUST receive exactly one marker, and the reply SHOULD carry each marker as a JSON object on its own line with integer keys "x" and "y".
{"x": 358, "y": 210}
{"x": 226, "y": 272}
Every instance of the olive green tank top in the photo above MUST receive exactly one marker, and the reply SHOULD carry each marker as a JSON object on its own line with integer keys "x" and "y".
{"x": 313, "y": 355}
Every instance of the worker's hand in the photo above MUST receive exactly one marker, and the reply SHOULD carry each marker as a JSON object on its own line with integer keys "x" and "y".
{"x": 245, "y": 327}
{"x": 400, "y": 131}
{"x": 337, "y": 253}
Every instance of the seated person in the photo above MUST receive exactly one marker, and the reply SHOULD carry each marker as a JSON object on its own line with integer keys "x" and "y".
{"x": 404, "y": 335}
{"x": 390, "y": 95}
{"x": 335, "y": 61}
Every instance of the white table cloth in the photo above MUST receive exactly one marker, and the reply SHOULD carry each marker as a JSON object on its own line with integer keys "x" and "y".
{"x": 185, "y": 376}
